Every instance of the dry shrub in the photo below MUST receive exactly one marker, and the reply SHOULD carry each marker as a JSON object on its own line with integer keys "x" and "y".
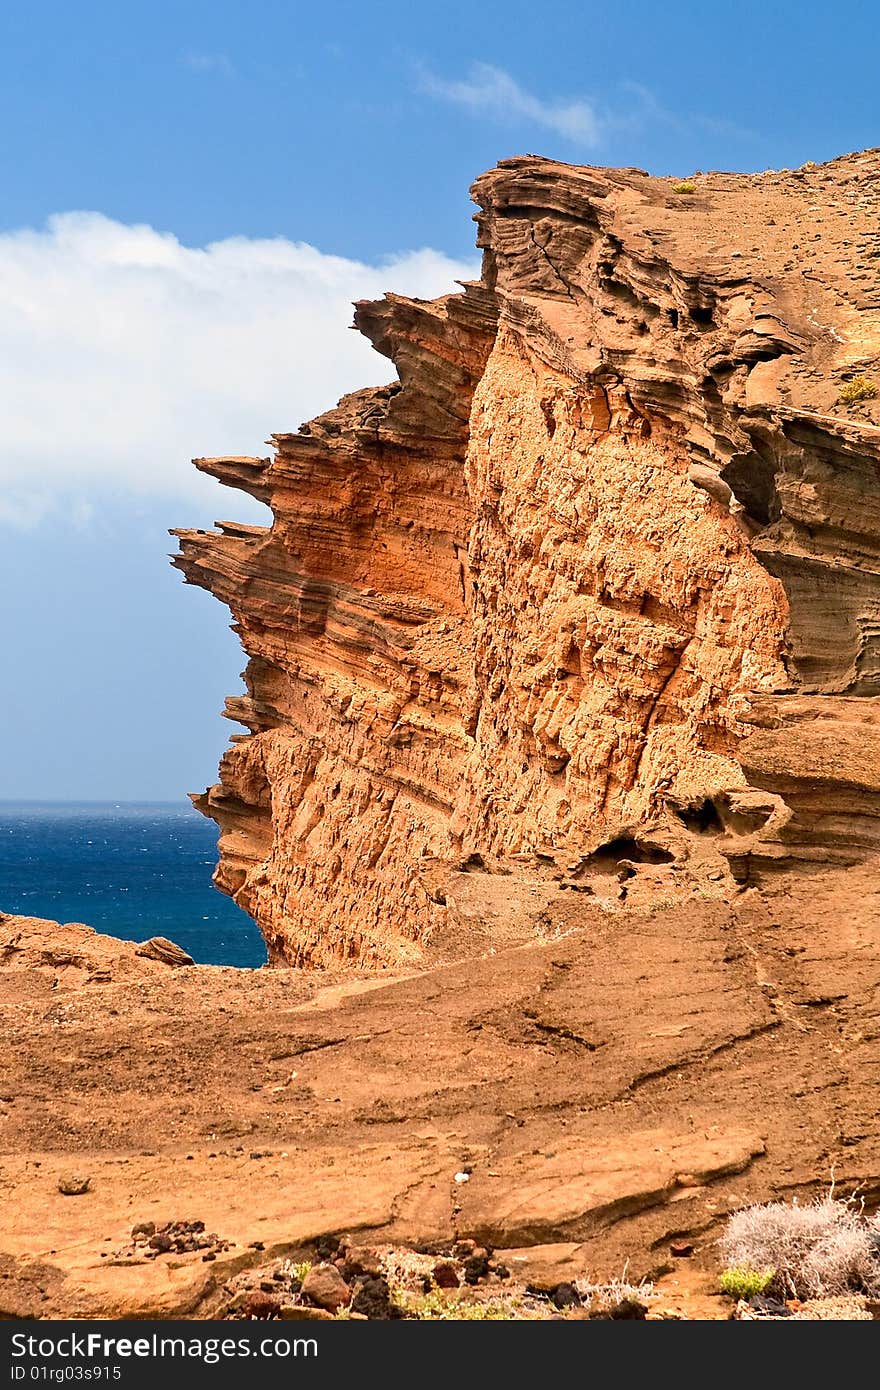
{"x": 859, "y": 388}
{"x": 604, "y": 1297}
{"x": 819, "y": 1250}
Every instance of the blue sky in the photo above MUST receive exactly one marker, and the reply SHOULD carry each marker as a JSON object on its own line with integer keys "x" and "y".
{"x": 193, "y": 193}
{"x": 315, "y": 121}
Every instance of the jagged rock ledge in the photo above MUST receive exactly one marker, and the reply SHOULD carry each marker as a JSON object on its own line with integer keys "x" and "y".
{"x": 603, "y": 562}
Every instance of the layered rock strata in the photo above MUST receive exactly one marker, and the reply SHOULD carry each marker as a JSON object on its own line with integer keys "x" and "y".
{"x": 595, "y": 583}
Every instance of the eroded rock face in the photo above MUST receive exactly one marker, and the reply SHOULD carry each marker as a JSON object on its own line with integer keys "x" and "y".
{"x": 605, "y": 562}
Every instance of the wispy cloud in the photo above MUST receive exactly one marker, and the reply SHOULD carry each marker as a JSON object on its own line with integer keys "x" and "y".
{"x": 644, "y": 109}
{"x": 493, "y": 92}
{"x": 209, "y": 62}
{"x": 123, "y": 353}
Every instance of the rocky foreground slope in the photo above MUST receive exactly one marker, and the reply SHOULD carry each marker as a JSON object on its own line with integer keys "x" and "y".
{"x": 609, "y": 1093}
{"x": 598, "y": 575}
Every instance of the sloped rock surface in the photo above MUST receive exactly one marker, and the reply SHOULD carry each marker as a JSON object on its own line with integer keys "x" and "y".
{"x": 612, "y": 1089}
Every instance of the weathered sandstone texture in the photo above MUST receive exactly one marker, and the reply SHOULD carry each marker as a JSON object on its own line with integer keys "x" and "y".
{"x": 77, "y": 954}
{"x": 594, "y": 585}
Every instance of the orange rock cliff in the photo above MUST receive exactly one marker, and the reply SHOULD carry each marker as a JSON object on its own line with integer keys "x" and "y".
{"x": 589, "y": 598}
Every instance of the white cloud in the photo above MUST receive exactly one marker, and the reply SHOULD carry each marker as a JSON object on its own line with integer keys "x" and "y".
{"x": 124, "y": 353}
{"x": 492, "y": 91}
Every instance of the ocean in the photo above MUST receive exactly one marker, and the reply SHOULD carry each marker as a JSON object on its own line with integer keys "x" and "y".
{"x": 130, "y": 869}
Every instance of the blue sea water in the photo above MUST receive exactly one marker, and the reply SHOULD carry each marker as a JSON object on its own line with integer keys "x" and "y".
{"x": 130, "y": 869}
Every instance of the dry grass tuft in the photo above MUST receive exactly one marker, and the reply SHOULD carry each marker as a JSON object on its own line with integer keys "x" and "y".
{"x": 603, "y": 1297}
{"x": 823, "y": 1249}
